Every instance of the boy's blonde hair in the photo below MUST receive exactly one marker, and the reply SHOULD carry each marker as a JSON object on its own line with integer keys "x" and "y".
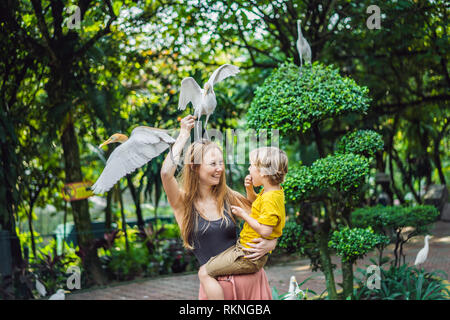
{"x": 271, "y": 162}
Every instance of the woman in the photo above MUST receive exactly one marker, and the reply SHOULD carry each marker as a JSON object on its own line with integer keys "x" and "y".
{"x": 201, "y": 208}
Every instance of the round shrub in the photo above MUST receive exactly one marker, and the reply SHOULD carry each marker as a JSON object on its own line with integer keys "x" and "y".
{"x": 293, "y": 103}
{"x": 342, "y": 173}
{"x": 364, "y": 142}
{"x": 355, "y": 243}
{"x": 293, "y": 239}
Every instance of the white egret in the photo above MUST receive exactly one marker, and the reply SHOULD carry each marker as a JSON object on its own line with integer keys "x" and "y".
{"x": 423, "y": 253}
{"x": 204, "y": 100}
{"x": 144, "y": 144}
{"x": 40, "y": 288}
{"x": 303, "y": 48}
{"x": 59, "y": 295}
{"x": 294, "y": 289}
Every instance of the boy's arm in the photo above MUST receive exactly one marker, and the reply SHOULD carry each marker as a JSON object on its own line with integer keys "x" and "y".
{"x": 251, "y": 194}
{"x": 262, "y": 229}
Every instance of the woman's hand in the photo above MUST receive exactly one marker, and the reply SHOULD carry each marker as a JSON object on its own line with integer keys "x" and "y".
{"x": 260, "y": 248}
{"x": 187, "y": 123}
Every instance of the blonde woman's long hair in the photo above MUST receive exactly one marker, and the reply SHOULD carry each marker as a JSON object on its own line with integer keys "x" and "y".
{"x": 190, "y": 182}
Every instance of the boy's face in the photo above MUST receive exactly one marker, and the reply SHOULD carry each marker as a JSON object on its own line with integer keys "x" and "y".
{"x": 257, "y": 178}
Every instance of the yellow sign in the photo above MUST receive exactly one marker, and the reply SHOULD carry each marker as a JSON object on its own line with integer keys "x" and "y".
{"x": 77, "y": 191}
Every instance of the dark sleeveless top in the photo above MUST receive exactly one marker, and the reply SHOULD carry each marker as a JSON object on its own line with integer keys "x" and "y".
{"x": 212, "y": 237}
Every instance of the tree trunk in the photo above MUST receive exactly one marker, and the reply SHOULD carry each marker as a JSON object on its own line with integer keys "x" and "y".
{"x": 30, "y": 226}
{"x": 137, "y": 203}
{"x": 436, "y": 155}
{"x": 318, "y": 138}
{"x": 124, "y": 219}
{"x": 406, "y": 176}
{"x": 80, "y": 208}
{"x": 108, "y": 211}
{"x": 347, "y": 279}
{"x": 327, "y": 267}
{"x": 391, "y": 175}
{"x": 9, "y": 197}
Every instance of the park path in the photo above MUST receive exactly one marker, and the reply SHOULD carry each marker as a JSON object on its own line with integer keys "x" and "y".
{"x": 185, "y": 286}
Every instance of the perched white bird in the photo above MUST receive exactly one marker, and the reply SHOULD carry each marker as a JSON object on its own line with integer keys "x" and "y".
{"x": 203, "y": 100}
{"x": 144, "y": 144}
{"x": 40, "y": 288}
{"x": 59, "y": 295}
{"x": 303, "y": 48}
{"x": 423, "y": 253}
{"x": 294, "y": 289}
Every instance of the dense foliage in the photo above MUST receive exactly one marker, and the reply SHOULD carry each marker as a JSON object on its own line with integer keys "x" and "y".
{"x": 364, "y": 142}
{"x": 292, "y": 103}
{"x": 404, "y": 283}
{"x": 354, "y": 243}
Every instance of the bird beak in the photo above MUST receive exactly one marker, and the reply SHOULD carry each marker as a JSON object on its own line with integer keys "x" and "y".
{"x": 65, "y": 291}
{"x": 105, "y": 143}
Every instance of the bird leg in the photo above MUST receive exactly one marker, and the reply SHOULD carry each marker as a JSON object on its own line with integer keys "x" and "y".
{"x": 198, "y": 128}
{"x": 206, "y": 123}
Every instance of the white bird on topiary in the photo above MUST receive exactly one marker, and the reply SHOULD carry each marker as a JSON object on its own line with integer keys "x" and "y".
{"x": 423, "y": 253}
{"x": 303, "y": 47}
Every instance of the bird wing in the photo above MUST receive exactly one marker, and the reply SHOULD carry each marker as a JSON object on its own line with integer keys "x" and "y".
{"x": 223, "y": 72}
{"x": 143, "y": 145}
{"x": 190, "y": 92}
{"x": 421, "y": 256}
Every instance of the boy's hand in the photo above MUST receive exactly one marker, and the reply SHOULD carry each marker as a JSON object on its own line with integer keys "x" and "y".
{"x": 248, "y": 182}
{"x": 238, "y": 211}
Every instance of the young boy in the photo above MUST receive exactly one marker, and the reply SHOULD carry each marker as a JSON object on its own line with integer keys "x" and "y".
{"x": 268, "y": 166}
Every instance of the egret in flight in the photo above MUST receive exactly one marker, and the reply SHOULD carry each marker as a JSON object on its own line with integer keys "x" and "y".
{"x": 144, "y": 144}
{"x": 203, "y": 100}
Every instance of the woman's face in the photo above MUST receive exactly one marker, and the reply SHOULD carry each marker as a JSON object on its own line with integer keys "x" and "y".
{"x": 212, "y": 167}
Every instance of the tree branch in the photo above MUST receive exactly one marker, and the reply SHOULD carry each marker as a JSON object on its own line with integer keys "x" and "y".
{"x": 37, "y": 6}
{"x": 80, "y": 52}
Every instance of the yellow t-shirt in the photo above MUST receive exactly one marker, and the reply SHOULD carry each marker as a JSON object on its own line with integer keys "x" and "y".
{"x": 268, "y": 208}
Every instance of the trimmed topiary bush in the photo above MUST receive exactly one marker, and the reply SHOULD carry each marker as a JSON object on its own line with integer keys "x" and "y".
{"x": 340, "y": 173}
{"x": 364, "y": 142}
{"x": 353, "y": 244}
{"x": 292, "y": 104}
{"x": 391, "y": 220}
{"x": 292, "y": 240}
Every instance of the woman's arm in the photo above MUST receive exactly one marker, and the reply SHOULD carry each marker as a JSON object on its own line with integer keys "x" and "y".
{"x": 170, "y": 184}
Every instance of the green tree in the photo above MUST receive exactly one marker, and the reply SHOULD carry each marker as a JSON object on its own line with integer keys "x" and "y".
{"x": 298, "y": 105}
